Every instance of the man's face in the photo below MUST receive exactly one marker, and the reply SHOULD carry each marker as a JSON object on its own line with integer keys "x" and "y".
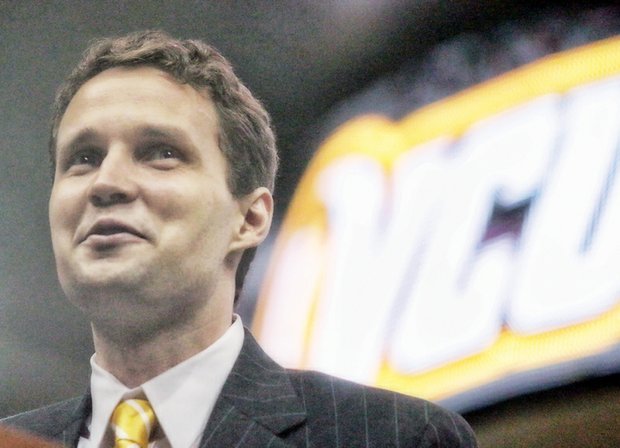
{"x": 140, "y": 211}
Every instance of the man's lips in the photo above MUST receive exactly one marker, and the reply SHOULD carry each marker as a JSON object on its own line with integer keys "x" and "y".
{"x": 111, "y": 232}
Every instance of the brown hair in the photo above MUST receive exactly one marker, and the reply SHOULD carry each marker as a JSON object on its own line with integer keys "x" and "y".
{"x": 246, "y": 137}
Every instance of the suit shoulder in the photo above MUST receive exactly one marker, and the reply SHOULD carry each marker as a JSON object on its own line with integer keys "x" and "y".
{"x": 48, "y": 421}
{"x": 382, "y": 414}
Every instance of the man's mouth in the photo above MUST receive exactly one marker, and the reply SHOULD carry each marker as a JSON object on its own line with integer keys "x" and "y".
{"x": 106, "y": 233}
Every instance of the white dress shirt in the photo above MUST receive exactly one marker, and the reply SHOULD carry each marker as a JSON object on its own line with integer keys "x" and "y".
{"x": 182, "y": 397}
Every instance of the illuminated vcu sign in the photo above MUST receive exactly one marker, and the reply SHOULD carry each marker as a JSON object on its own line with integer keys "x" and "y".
{"x": 477, "y": 238}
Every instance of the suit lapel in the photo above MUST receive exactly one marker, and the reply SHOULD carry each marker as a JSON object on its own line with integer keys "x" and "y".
{"x": 257, "y": 404}
{"x": 72, "y": 431}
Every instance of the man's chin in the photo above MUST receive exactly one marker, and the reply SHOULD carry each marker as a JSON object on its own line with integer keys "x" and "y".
{"x": 104, "y": 273}
{"x": 106, "y": 287}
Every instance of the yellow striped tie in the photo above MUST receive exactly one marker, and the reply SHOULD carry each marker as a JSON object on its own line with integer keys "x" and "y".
{"x": 132, "y": 422}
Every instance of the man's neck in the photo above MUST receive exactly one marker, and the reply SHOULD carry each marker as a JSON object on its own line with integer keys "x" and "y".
{"x": 134, "y": 358}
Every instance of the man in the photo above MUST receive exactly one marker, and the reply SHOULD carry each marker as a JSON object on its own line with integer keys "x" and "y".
{"x": 164, "y": 165}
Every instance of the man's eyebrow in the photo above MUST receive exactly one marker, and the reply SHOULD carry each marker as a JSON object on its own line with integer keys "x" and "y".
{"x": 88, "y": 134}
{"x": 85, "y": 135}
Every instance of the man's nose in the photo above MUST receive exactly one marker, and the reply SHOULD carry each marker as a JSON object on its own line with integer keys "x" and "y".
{"x": 114, "y": 182}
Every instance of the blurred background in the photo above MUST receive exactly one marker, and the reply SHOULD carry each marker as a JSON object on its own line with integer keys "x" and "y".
{"x": 363, "y": 94}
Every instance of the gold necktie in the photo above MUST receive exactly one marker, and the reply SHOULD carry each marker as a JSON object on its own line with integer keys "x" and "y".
{"x": 132, "y": 422}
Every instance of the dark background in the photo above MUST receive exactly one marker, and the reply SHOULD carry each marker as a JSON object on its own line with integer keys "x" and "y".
{"x": 302, "y": 59}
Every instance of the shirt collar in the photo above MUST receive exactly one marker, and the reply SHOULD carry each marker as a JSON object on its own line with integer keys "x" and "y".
{"x": 182, "y": 397}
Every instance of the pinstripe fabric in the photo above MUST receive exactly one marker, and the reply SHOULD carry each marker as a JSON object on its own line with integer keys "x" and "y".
{"x": 264, "y": 405}
{"x": 261, "y": 400}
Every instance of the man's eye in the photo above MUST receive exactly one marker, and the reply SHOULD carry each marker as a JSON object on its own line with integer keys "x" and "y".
{"x": 164, "y": 153}
{"x": 161, "y": 156}
{"x": 84, "y": 159}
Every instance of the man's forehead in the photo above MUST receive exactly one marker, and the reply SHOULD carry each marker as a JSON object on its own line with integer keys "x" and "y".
{"x": 145, "y": 89}
{"x": 118, "y": 77}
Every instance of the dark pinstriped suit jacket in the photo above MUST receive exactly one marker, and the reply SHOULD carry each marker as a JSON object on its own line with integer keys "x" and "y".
{"x": 264, "y": 405}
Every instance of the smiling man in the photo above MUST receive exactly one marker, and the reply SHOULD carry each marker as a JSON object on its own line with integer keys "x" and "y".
{"x": 146, "y": 232}
{"x": 164, "y": 165}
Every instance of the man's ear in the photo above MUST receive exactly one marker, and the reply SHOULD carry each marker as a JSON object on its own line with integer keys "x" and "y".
{"x": 257, "y": 212}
